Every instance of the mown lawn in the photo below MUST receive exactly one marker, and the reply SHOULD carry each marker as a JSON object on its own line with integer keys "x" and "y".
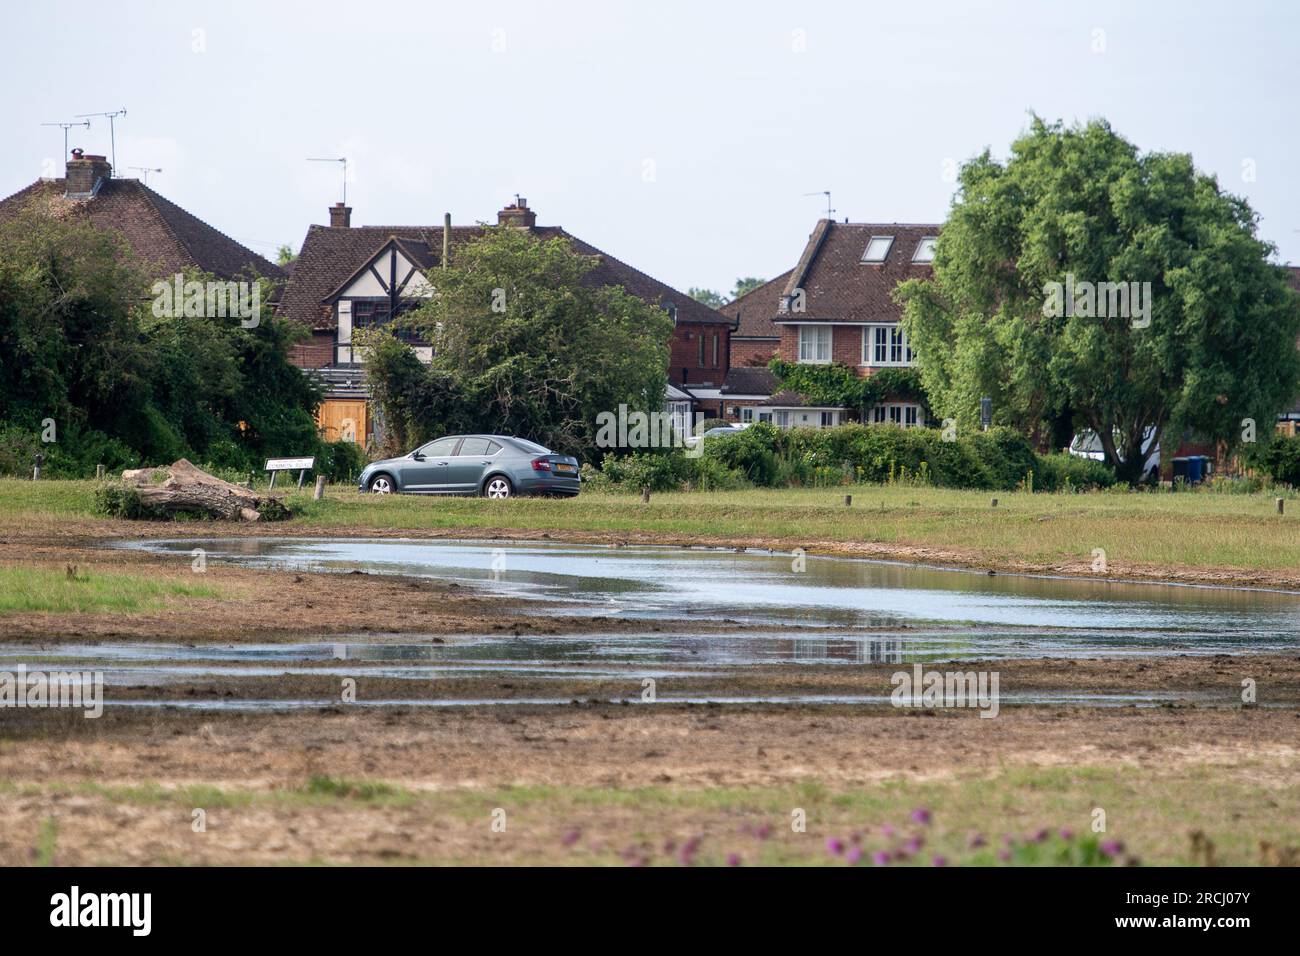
{"x": 1183, "y": 530}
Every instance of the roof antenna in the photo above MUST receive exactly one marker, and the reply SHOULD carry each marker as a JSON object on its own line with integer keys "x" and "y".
{"x": 65, "y": 127}
{"x": 335, "y": 159}
{"x": 830, "y": 213}
{"x": 145, "y": 171}
{"x": 112, "y": 133}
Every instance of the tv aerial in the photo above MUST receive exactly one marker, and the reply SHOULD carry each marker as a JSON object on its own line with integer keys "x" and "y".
{"x": 335, "y": 159}
{"x": 830, "y": 213}
{"x": 144, "y": 172}
{"x": 112, "y": 133}
{"x": 65, "y": 127}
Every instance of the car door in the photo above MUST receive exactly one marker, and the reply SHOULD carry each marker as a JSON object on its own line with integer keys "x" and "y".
{"x": 429, "y": 467}
{"x": 472, "y": 460}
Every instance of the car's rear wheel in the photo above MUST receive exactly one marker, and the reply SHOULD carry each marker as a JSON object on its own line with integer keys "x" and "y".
{"x": 498, "y": 486}
{"x": 382, "y": 484}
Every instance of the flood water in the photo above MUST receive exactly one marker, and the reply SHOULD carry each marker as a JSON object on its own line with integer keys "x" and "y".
{"x": 757, "y": 587}
{"x": 823, "y": 611}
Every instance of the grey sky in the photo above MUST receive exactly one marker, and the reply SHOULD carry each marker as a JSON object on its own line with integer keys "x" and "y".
{"x": 680, "y": 137}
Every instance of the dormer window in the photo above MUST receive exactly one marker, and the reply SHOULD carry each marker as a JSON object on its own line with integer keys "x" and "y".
{"x": 877, "y": 249}
{"x": 925, "y": 250}
{"x": 671, "y": 310}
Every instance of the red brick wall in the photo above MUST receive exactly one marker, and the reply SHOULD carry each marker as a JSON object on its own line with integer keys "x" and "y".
{"x": 315, "y": 352}
{"x": 846, "y": 345}
{"x": 684, "y": 353}
{"x": 751, "y": 353}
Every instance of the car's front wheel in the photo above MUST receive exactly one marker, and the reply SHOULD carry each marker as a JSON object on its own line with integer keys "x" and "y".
{"x": 382, "y": 484}
{"x": 498, "y": 486}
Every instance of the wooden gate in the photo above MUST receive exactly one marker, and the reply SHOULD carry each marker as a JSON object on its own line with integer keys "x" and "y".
{"x": 344, "y": 420}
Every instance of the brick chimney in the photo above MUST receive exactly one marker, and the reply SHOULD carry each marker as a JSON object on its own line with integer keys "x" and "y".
{"x": 517, "y": 214}
{"x": 86, "y": 172}
{"x": 340, "y": 216}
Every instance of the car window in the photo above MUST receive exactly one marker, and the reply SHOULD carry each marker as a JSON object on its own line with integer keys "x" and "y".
{"x": 531, "y": 446}
{"x": 440, "y": 448}
{"x": 477, "y": 446}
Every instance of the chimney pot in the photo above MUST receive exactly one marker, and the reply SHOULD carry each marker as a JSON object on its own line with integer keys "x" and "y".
{"x": 517, "y": 214}
{"x": 340, "y": 216}
{"x": 85, "y": 172}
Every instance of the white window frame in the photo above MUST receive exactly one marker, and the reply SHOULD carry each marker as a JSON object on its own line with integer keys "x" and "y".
{"x": 889, "y": 244}
{"x": 916, "y": 256}
{"x": 903, "y": 414}
{"x": 895, "y": 343}
{"x": 816, "y": 344}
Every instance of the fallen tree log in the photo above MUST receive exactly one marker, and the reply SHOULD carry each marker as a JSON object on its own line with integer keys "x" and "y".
{"x": 183, "y": 489}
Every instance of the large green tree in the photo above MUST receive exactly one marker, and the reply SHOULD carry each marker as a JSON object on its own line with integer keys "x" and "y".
{"x": 526, "y": 342}
{"x": 1208, "y": 337}
{"x": 80, "y": 347}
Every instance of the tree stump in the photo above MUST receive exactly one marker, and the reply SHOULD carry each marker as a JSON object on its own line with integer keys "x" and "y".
{"x": 186, "y": 489}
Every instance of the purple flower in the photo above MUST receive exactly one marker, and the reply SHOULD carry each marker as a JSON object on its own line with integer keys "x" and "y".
{"x": 921, "y": 815}
{"x": 764, "y": 831}
{"x": 570, "y": 838}
{"x": 733, "y": 859}
{"x": 886, "y": 830}
{"x": 1066, "y": 833}
{"x": 854, "y": 856}
{"x": 1004, "y": 855}
{"x": 940, "y": 861}
{"x": 880, "y": 857}
{"x": 1112, "y": 848}
{"x": 977, "y": 840}
{"x": 1039, "y": 836}
{"x": 835, "y": 846}
{"x": 914, "y": 845}
{"x": 686, "y": 855}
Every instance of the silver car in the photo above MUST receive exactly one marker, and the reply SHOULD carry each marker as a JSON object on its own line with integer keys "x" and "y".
{"x": 495, "y": 466}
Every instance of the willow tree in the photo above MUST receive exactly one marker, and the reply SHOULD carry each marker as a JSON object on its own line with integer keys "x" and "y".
{"x": 1122, "y": 291}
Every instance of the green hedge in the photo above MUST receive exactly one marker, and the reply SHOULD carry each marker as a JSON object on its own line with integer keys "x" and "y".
{"x": 767, "y": 457}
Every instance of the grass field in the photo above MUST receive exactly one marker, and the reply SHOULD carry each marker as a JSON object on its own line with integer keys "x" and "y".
{"x": 1157, "y": 530}
{"x": 42, "y": 589}
{"x": 1022, "y": 815}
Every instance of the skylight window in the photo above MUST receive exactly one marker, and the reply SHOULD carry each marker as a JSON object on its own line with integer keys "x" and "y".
{"x": 925, "y": 250}
{"x": 877, "y": 248}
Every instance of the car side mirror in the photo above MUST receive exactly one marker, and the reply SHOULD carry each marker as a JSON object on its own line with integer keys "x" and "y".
{"x": 417, "y": 456}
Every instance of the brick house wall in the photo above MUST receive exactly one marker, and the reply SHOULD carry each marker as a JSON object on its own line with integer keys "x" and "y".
{"x": 752, "y": 352}
{"x": 846, "y": 346}
{"x": 684, "y": 367}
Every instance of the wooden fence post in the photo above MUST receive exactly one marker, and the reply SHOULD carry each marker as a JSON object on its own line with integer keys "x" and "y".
{"x": 319, "y": 493}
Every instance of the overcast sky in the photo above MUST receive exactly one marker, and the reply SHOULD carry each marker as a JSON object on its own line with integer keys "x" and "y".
{"x": 680, "y": 137}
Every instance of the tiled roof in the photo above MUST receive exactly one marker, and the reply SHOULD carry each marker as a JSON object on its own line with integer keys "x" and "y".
{"x": 756, "y": 308}
{"x": 839, "y": 287}
{"x": 331, "y": 254}
{"x": 157, "y": 230}
{"x": 758, "y": 380}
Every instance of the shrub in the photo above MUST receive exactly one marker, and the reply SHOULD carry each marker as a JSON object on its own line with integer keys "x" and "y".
{"x": 340, "y": 461}
{"x": 1065, "y": 472}
{"x": 1279, "y": 457}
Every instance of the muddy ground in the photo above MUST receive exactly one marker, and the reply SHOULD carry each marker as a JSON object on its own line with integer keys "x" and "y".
{"x": 594, "y": 782}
